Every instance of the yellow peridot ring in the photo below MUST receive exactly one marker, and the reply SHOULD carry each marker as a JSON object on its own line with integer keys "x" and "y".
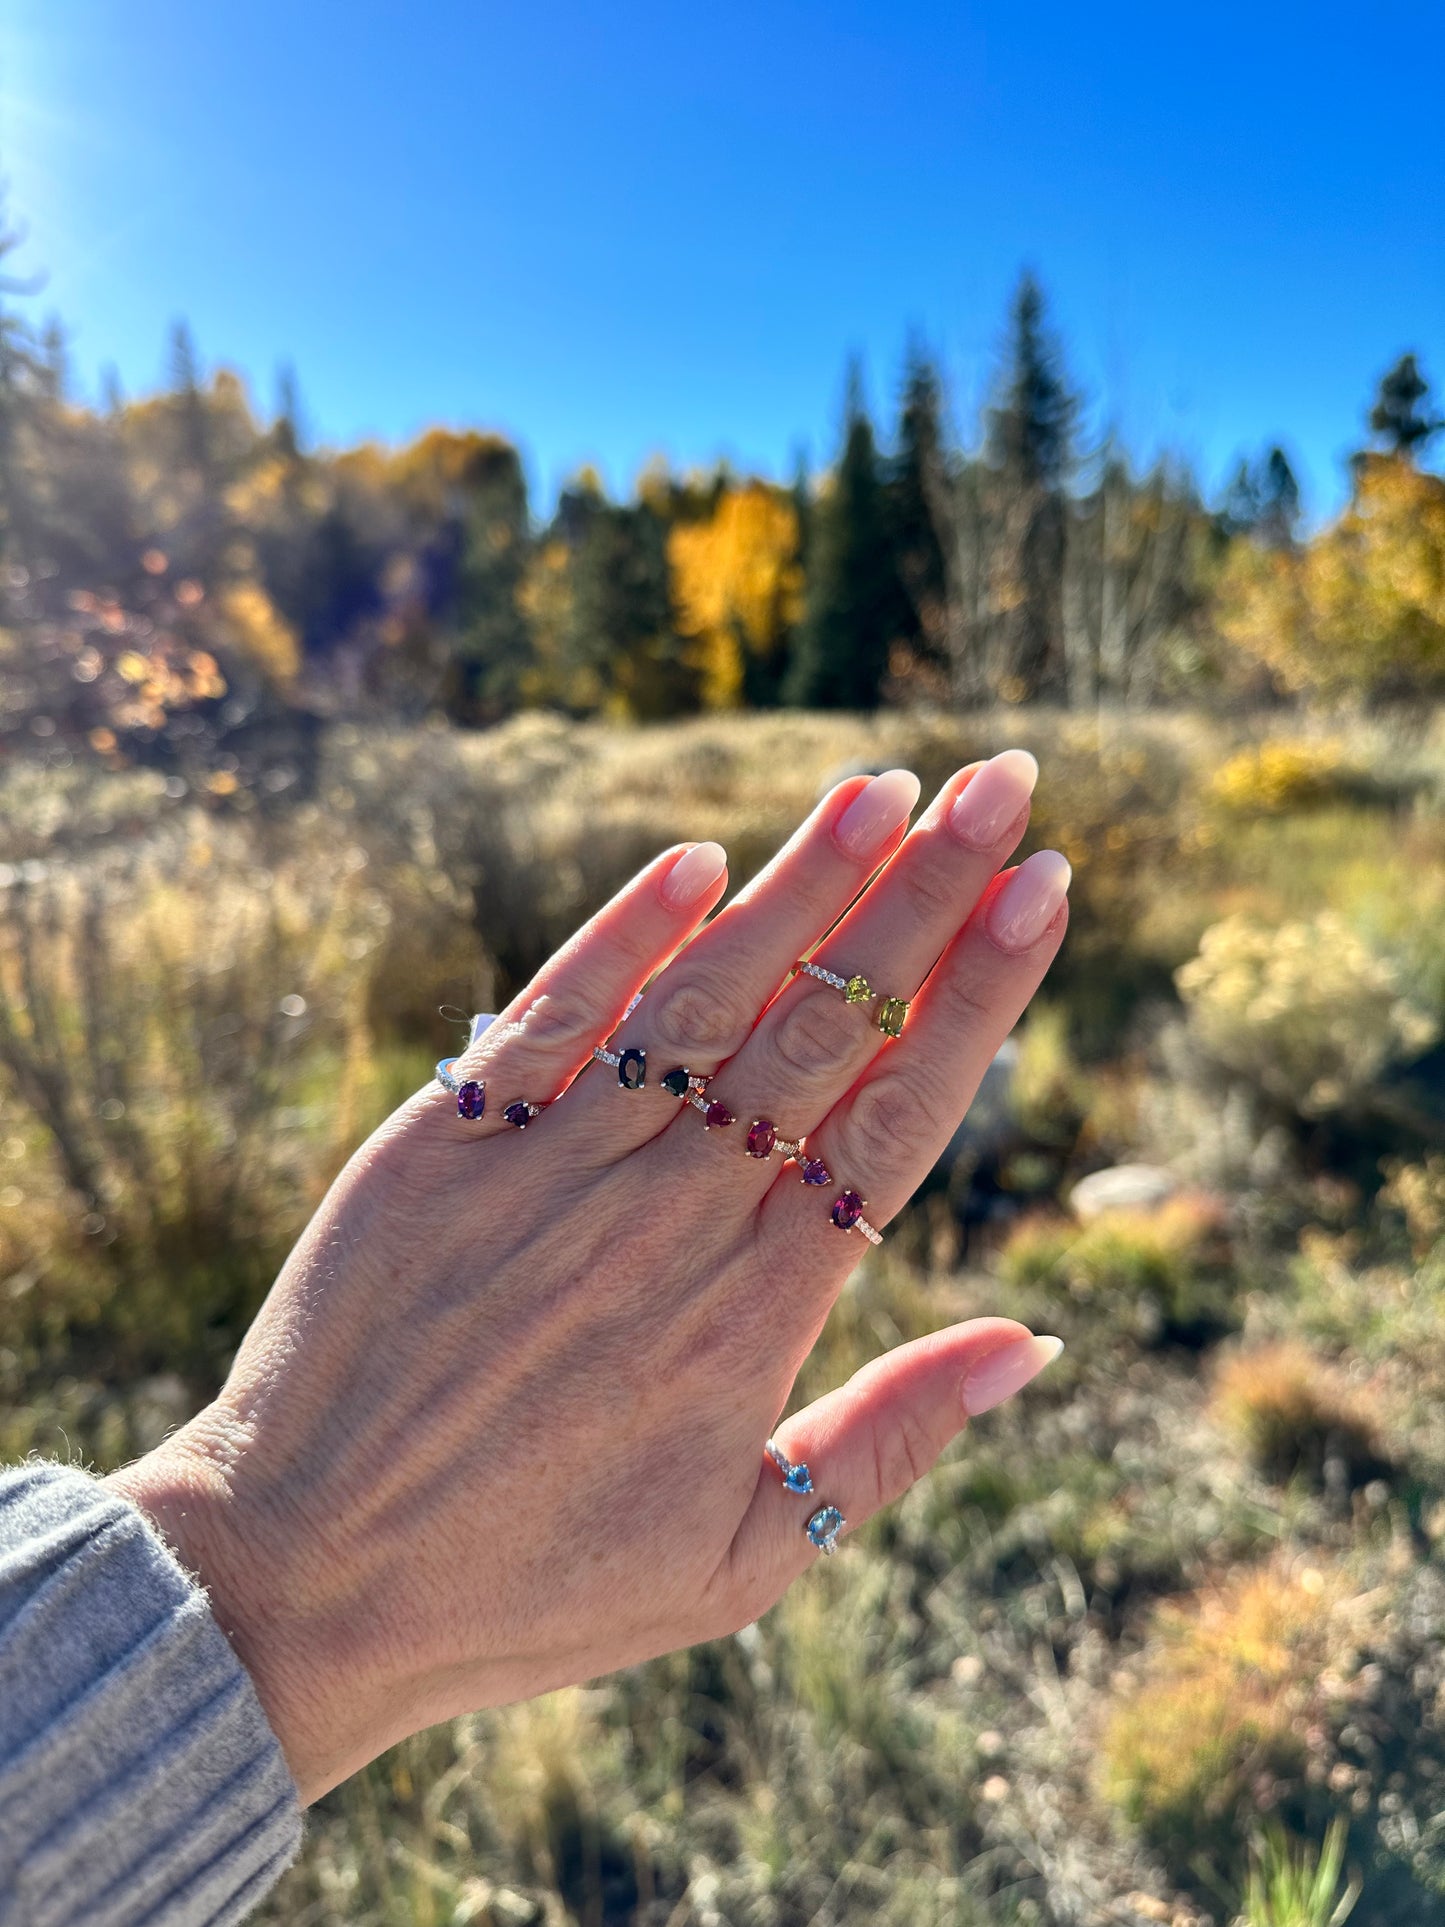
{"x": 857, "y": 990}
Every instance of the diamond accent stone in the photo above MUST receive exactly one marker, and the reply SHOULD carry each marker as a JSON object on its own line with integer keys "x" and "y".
{"x": 824, "y": 1526}
{"x": 814, "y": 1171}
{"x": 857, "y": 990}
{"x": 632, "y": 1069}
{"x": 471, "y": 1099}
{"x": 762, "y": 1136}
{"x": 891, "y": 1013}
{"x": 847, "y": 1210}
{"x": 675, "y": 1083}
{"x": 717, "y": 1115}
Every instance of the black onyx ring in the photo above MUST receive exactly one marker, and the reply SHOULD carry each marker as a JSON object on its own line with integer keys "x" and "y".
{"x": 892, "y": 1011}
{"x": 630, "y": 1065}
{"x": 796, "y": 1478}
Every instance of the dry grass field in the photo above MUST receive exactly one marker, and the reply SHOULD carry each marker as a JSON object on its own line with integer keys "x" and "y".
{"x": 1152, "y": 1639}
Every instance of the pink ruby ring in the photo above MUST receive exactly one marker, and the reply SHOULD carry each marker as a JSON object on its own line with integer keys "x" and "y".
{"x": 847, "y": 1214}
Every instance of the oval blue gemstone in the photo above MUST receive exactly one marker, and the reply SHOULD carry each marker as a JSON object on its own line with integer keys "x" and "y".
{"x": 824, "y": 1527}
{"x": 632, "y": 1069}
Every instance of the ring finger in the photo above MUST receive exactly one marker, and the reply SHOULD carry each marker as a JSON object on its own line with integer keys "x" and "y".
{"x": 812, "y": 1043}
{"x": 704, "y": 1005}
{"x": 887, "y": 1132}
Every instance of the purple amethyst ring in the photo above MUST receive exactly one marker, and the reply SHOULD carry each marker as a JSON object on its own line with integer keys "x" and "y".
{"x": 471, "y": 1096}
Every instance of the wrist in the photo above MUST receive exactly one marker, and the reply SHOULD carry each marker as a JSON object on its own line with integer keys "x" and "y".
{"x": 260, "y": 1581}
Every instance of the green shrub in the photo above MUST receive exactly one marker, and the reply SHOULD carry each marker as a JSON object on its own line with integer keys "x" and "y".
{"x": 1295, "y": 1412}
{"x": 1307, "y": 1012}
{"x": 1160, "y": 1274}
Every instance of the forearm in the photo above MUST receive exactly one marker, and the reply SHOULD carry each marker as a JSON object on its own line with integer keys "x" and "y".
{"x": 139, "y": 1779}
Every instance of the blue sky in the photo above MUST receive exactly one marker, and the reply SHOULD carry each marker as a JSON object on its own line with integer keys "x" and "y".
{"x": 617, "y": 231}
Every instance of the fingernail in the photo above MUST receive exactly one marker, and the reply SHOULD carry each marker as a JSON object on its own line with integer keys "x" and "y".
{"x": 876, "y": 813}
{"x": 694, "y": 874}
{"x": 994, "y": 799}
{"x": 1028, "y": 903}
{"x": 999, "y": 1374}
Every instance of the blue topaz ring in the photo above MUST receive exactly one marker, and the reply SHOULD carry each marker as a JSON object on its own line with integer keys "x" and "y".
{"x": 823, "y": 1528}
{"x": 796, "y": 1478}
{"x": 892, "y": 1011}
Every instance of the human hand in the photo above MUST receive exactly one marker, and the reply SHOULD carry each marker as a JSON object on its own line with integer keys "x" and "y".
{"x": 499, "y": 1425}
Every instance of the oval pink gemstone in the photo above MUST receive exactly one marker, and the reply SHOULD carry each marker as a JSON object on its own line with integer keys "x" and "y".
{"x": 717, "y": 1114}
{"x": 762, "y": 1136}
{"x": 847, "y": 1210}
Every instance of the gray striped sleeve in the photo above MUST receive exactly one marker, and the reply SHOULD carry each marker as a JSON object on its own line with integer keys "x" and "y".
{"x": 139, "y": 1779}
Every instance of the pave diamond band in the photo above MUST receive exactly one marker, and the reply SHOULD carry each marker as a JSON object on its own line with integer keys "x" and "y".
{"x": 892, "y": 1012}
{"x": 471, "y": 1096}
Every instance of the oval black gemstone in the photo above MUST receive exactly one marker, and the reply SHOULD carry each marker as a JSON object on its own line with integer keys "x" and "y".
{"x": 632, "y": 1069}
{"x": 675, "y": 1083}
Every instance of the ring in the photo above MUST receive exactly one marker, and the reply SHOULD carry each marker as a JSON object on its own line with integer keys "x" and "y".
{"x": 797, "y": 1478}
{"x": 470, "y": 1092}
{"x": 764, "y": 1138}
{"x": 630, "y": 1065}
{"x": 824, "y": 1526}
{"x": 892, "y": 1011}
{"x": 471, "y": 1096}
{"x": 847, "y": 1214}
{"x": 682, "y": 1082}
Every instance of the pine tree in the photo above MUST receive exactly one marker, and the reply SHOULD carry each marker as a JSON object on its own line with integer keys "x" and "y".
{"x": 621, "y": 628}
{"x": 916, "y": 475}
{"x": 1399, "y": 416}
{"x": 493, "y": 648}
{"x": 192, "y": 426}
{"x": 288, "y": 429}
{"x": 1030, "y": 449}
{"x": 1031, "y": 426}
{"x": 20, "y": 378}
{"x": 54, "y": 361}
{"x": 1263, "y": 500}
{"x": 856, "y": 606}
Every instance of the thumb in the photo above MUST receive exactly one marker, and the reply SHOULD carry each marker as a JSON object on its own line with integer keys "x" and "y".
{"x": 867, "y": 1442}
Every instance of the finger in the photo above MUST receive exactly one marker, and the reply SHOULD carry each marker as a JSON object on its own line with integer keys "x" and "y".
{"x": 883, "y": 1137}
{"x": 812, "y": 1044}
{"x": 530, "y": 1053}
{"x": 704, "y": 1005}
{"x": 867, "y": 1442}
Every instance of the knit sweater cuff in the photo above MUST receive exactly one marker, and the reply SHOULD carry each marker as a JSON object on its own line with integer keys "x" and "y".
{"x": 139, "y": 1779}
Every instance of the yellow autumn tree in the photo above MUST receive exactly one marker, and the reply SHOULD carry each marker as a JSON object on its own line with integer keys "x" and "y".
{"x": 1360, "y": 610}
{"x": 737, "y": 586}
{"x": 262, "y": 632}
